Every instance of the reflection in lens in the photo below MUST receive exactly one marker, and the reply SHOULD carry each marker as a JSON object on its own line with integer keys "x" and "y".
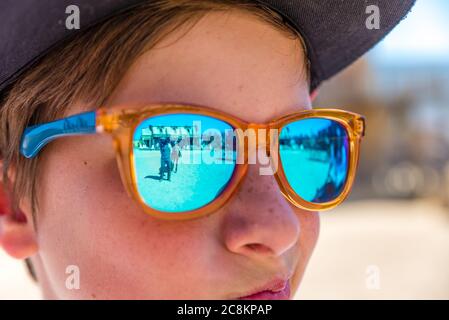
{"x": 315, "y": 157}
{"x": 182, "y": 162}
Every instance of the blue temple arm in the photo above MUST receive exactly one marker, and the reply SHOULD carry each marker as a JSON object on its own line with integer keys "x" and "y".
{"x": 36, "y": 137}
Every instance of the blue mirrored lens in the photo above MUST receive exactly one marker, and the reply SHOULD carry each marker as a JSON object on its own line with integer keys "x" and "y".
{"x": 182, "y": 162}
{"x": 315, "y": 157}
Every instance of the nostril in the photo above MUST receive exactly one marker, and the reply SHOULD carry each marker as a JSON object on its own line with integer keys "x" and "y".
{"x": 259, "y": 248}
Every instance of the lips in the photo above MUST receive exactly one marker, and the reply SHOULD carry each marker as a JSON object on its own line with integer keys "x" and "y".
{"x": 276, "y": 290}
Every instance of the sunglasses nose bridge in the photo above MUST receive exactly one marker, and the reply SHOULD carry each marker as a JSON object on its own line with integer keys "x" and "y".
{"x": 266, "y": 137}
{"x": 263, "y": 144}
{"x": 259, "y": 130}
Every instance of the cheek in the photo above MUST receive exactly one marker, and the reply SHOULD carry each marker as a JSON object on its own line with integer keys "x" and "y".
{"x": 81, "y": 195}
{"x": 79, "y": 181}
{"x": 310, "y": 228}
{"x": 87, "y": 219}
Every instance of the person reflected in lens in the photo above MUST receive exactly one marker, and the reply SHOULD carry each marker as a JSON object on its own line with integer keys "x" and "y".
{"x": 175, "y": 155}
{"x": 166, "y": 151}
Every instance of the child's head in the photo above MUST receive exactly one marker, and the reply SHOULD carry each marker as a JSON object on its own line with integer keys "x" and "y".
{"x": 67, "y": 208}
{"x": 238, "y": 58}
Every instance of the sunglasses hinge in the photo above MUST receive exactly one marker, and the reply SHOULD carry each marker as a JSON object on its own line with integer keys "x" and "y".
{"x": 360, "y": 127}
{"x": 111, "y": 121}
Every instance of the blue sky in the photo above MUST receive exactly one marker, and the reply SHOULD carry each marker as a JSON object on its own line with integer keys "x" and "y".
{"x": 422, "y": 38}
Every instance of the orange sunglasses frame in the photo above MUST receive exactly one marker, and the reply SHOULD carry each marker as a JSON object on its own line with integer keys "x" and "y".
{"x": 121, "y": 124}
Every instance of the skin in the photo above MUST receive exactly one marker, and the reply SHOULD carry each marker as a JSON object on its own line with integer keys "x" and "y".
{"x": 232, "y": 62}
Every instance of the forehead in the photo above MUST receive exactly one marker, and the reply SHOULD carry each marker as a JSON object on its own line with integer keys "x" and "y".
{"x": 232, "y": 61}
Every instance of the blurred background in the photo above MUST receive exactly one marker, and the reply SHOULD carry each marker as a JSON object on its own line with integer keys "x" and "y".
{"x": 390, "y": 240}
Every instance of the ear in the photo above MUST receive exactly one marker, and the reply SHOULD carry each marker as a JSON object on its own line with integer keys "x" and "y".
{"x": 313, "y": 94}
{"x": 17, "y": 233}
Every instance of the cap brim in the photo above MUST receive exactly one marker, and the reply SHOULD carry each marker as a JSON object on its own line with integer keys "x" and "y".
{"x": 335, "y": 31}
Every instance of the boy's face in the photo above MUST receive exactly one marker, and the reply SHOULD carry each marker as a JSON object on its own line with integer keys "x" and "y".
{"x": 231, "y": 62}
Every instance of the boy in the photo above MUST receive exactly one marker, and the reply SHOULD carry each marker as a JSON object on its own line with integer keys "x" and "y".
{"x": 219, "y": 230}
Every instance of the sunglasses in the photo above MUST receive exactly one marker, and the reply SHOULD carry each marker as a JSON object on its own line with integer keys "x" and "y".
{"x": 184, "y": 162}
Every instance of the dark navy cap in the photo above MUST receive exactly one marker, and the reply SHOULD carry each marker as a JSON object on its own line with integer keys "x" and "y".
{"x": 336, "y": 32}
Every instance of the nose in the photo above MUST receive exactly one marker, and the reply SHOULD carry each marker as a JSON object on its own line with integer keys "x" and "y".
{"x": 259, "y": 221}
